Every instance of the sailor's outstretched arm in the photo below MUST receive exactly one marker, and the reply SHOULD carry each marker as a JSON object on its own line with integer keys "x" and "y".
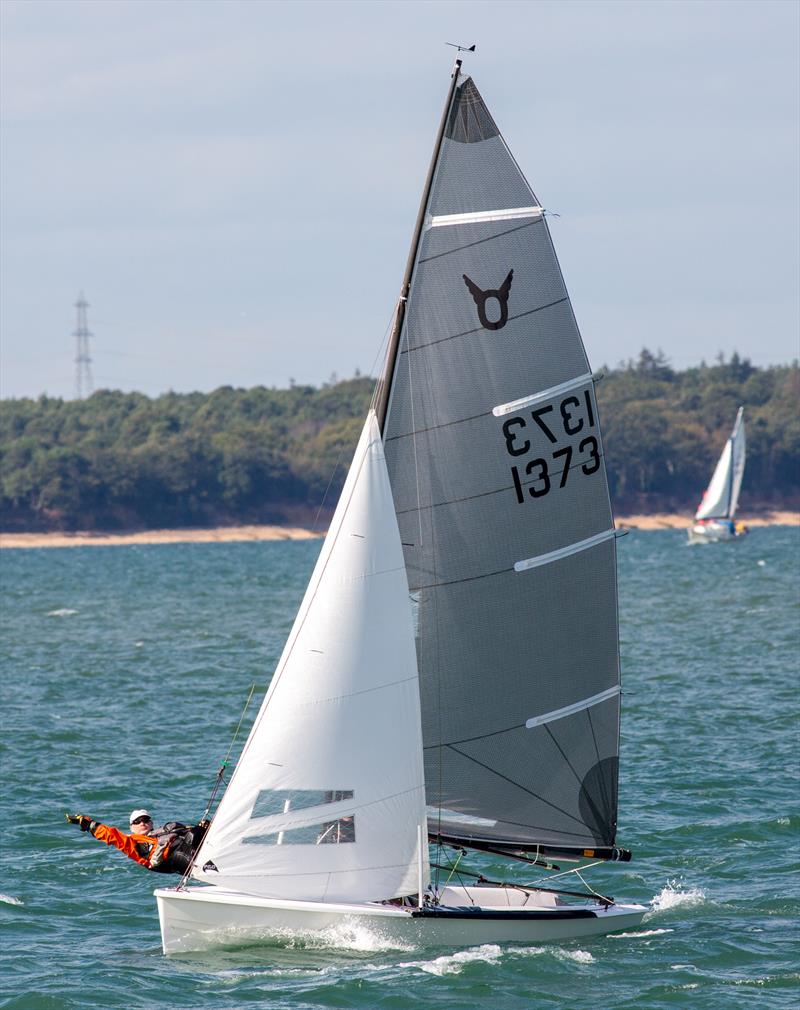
{"x": 113, "y": 836}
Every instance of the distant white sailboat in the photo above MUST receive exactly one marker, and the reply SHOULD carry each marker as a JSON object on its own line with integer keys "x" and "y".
{"x": 452, "y": 676}
{"x": 714, "y": 519}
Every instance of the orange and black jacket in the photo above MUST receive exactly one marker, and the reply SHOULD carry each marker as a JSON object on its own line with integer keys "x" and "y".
{"x": 137, "y": 847}
{"x": 169, "y": 850}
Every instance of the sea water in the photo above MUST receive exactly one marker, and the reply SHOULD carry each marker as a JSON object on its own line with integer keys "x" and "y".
{"x": 125, "y": 671}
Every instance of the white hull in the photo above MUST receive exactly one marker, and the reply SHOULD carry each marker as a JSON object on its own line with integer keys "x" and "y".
{"x": 204, "y": 918}
{"x": 713, "y": 532}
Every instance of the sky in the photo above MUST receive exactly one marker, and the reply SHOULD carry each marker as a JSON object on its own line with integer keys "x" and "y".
{"x": 234, "y": 185}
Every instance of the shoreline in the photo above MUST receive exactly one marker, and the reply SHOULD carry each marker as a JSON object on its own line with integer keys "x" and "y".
{"x": 250, "y": 534}
{"x": 673, "y": 521}
{"x": 219, "y": 534}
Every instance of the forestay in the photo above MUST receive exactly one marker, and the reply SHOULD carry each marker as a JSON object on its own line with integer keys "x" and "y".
{"x": 327, "y": 799}
{"x": 722, "y": 496}
{"x": 496, "y": 463}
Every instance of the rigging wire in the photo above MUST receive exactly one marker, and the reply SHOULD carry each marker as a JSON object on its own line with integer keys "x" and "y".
{"x": 217, "y": 783}
{"x": 525, "y": 887}
{"x": 238, "y": 726}
{"x": 334, "y": 471}
{"x": 382, "y": 351}
{"x": 455, "y": 867}
{"x": 574, "y": 869}
{"x": 587, "y": 885}
{"x": 480, "y": 878}
{"x": 533, "y": 885}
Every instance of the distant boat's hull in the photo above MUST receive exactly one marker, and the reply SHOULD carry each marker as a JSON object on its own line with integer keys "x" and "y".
{"x": 713, "y": 532}
{"x": 206, "y": 917}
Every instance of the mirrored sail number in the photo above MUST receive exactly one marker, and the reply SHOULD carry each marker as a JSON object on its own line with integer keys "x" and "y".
{"x": 571, "y": 418}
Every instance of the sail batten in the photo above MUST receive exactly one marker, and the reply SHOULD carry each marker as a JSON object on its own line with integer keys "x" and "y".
{"x": 495, "y": 455}
{"x": 484, "y": 216}
{"x": 564, "y": 552}
{"x": 542, "y": 396}
{"x": 579, "y": 706}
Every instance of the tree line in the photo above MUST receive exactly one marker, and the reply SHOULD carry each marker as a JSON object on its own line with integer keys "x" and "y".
{"x": 124, "y": 460}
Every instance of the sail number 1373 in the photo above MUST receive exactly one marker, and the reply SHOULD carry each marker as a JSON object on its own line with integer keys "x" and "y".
{"x": 572, "y": 418}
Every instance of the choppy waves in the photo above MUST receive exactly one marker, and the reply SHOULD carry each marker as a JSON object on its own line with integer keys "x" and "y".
{"x": 125, "y": 675}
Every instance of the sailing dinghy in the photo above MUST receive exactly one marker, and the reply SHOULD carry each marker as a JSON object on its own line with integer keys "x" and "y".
{"x": 714, "y": 519}
{"x": 451, "y": 681}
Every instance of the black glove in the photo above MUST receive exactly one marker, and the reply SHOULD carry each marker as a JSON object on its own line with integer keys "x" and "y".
{"x": 80, "y": 819}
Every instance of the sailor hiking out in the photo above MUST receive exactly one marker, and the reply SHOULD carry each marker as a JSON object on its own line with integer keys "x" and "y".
{"x": 166, "y": 849}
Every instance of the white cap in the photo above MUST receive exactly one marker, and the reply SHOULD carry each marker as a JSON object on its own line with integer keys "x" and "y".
{"x": 136, "y": 814}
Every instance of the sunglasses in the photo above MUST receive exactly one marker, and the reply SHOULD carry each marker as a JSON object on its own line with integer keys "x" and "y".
{"x": 143, "y": 820}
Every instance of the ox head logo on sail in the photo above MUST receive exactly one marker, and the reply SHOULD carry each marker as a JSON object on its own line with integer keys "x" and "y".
{"x": 482, "y": 297}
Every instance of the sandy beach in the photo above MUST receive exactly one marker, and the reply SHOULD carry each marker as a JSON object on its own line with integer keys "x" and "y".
{"x": 222, "y": 534}
{"x": 229, "y": 534}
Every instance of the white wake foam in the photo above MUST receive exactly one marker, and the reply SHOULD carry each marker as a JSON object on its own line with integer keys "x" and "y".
{"x": 343, "y": 936}
{"x": 11, "y": 901}
{"x": 234, "y": 976}
{"x": 639, "y": 934}
{"x": 452, "y": 964}
{"x": 62, "y": 612}
{"x": 578, "y": 956}
{"x": 490, "y": 953}
{"x": 674, "y": 896}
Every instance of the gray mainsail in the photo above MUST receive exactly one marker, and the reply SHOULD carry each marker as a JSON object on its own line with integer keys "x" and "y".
{"x": 496, "y": 464}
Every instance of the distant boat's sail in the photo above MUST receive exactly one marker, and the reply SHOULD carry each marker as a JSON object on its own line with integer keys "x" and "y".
{"x": 722, "y": 496}
{"x": 739, "y": 451}
{"x": 328, "y": 795}
{"x": 496, "y": 463}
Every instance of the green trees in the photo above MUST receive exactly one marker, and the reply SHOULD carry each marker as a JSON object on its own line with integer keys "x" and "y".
{"x": 121, "y": 460}
{"x": 664, "y": 430}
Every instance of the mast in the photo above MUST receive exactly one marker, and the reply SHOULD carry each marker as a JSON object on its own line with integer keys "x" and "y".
{"x": 385, "y": 382}
{"x": 730, "y": 479}
{"x": 501, "y": 517}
